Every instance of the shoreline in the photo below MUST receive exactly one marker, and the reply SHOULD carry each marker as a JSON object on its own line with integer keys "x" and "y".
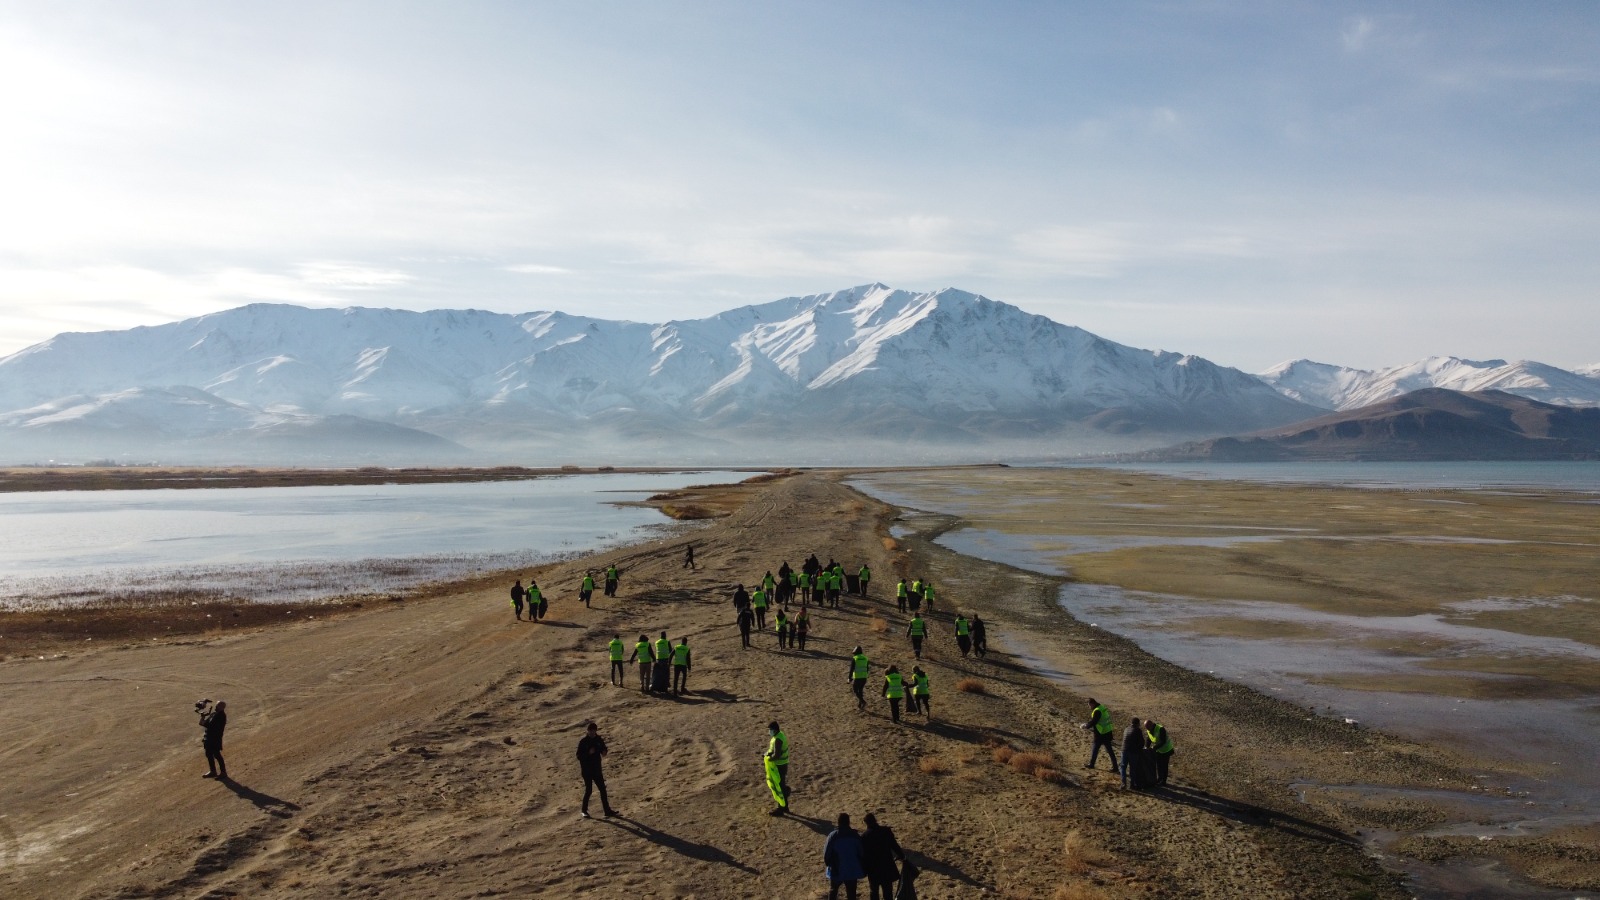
{"x": 1057, "y": 656}
{"x": 124, "y": 478}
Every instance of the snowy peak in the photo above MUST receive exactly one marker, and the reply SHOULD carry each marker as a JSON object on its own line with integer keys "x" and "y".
{"x": 1337, "y": 387}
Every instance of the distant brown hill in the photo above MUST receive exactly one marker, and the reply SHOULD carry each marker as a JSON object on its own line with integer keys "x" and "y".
{"x": 1430, "y": 424}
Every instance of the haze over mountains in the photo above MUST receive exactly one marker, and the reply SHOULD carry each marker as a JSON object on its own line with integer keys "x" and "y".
{"x": 869, "y": 374}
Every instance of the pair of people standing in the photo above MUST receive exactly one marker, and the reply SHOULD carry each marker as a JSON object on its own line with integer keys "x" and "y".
{"x": 850, "y": 856}
{"x": 532, "y": 596}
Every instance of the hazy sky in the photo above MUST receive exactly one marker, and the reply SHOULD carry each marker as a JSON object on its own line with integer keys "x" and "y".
{"x": 1252, "y": 182}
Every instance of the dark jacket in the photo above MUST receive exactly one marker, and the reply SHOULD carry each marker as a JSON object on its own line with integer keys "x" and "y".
{"x": 842, "y": 855}
{"x": 1132, "y": 741}
{"x": 879, "y": 850}
{"x": 590, "y": 751}
{"x": 214, "y": 722}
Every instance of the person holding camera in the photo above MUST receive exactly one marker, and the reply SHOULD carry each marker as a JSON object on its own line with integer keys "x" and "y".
{"x": 213, "y": 718}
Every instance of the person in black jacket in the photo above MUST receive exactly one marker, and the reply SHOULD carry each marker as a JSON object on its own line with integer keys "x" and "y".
{"x": 591, "y": 749}
{"x": 214, "y": 721}
{"x": 879, "y": 850}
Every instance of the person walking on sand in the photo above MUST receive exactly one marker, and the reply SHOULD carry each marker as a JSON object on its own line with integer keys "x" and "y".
{"x": 917, "y": 630}
{"x": 879, "y": 850}
{"x": 612, "y": 577}
{"x": 680, "y": 667}
{"x": 1161, "y": 747}
{"x": 741, "y": 597}
{"x": 688, "y": 557}
{"x": 900, "y": 594}
{"x": 758, "y": 602}
{"x": 214, "y": 721}
{"x": 920, "y": 693}
{"x": 646, "y": 658}
{"x": 616, "y": 648}
{"x": 802, "y": 628}
{"x": 586, "y": 588}
{"x": 860, "y": 667}
{"x": 746, "y": 619}
{"x": 927, "y": 596}
{"x": 517, "y": 593}
{"x": 963, "y": 635}
{"x": 536, "y": 607}
{"x": 793, "y": 631}
{"x": 894, "y": 690}
{"x": 980, "y": 637}
{"x": 661, "y": 672}
{"x": 1133, "y": 767}
{"x": 863, "y": 578}
{"x": 1100, "y": 723}
{"x": 770, "y": 585}
{"x": 782, "y": 629}
{"x": 842, "y": 855}
{"x": 776, "y": 762}
{"x": 592, "y": 749}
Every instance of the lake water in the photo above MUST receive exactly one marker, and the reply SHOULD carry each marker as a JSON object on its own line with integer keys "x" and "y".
{"x": 278, "y": 543}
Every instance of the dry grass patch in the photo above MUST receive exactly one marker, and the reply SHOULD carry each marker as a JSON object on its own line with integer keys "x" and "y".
{"x": 1079, "y": 856}
{"x": 890, "y": 544}
{"x": 970, "y": 775}
{"x": 933, "y": 765}
{"x": 879, "y": 625}
{"x": 1003, "y": 754}
{"x": 971, "y": 686}
{"x": 1029, "y": 763}
{"x": 1049, "y": 775}
{"x": 1078, "y": 890}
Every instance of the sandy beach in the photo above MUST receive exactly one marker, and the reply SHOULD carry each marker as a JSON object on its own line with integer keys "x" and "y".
{"x": 424, "y": 747}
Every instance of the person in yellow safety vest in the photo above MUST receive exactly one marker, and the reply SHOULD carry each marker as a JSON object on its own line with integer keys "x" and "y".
{"x": 863, "y": 578}
{"x": 900, "y": 595}
{"x": 914, "y": 595}
{"x": 963, "y": 635}
{"x": 680, "y": 667}
{"x": 586, "y": 589}
{"x": 641, "y": 652}
{"x": 618, "y": 675}
{"x": 661, "y": 673}
{"x": 894, "y": 688}
{"x": 536, "y": 604}
{"x": 927, "y": 595}
{"x": 776, "y": 762}
{"x": 917, "y": 630}
{"x": 804, "y": 585}
{"x": 782, "y": 629}
{"x": 919, "y": 692}
{"x": 1161, "y": 745}
{"x": 1100, "y": 723}
{"x": 859, "y": 667}
{"x": 758, "y": 602}
{"x": 612, "y": 576}
{"x": 769, "y": 584}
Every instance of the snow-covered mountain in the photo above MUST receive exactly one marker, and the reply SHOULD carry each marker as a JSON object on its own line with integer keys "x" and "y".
{"x": 1341, "y": 388}
{"x": 909, "y": 368}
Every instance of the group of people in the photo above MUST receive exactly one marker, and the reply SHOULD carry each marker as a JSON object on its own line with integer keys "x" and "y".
{"x": 1146, "y": 748}
{"x": 873, "y": 854}
{"x": 663, "y": 666}
{"x": 538, "y": 604}
{"x": 750, "y": 613}
{"x": 915, "y": 692}
{"x": 813, "y": 582}
{"x": 909, "y": 596}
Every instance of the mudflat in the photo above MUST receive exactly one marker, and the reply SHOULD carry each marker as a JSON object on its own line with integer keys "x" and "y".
{"x": 426, "y": 747}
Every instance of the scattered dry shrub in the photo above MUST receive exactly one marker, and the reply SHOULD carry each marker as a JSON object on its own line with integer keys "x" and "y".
{"x": 879, "y": 625}
{"x": 1029, "y": 763}
{"x": 970, "y": 775}
{"x": 890, "y": 544}
{"x": 933, "y": 765}
{"x": 1051, "y": 776}
{"x": 1003, "y": 754}
{"x": 971, "y": 686}
{"x": 966, "y": 759}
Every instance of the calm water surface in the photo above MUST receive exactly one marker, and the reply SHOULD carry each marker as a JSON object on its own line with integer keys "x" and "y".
{"x": 300, "y": 541}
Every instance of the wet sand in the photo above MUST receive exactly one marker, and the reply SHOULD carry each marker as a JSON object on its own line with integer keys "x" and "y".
{"x": 423, "y": 747}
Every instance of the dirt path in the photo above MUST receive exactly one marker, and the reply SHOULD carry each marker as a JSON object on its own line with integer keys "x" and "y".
{"x": 425, "y": 749}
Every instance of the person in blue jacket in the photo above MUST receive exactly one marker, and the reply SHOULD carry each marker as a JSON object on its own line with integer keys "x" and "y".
{"x": 843, "y": 855}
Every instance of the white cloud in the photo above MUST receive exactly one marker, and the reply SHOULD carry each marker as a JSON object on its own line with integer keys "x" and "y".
{"x": 1357, "y": 32}
{"x": 537, "y": 269}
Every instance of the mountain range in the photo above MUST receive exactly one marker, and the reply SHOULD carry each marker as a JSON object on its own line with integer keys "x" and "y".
{"x": 1425, "y": 424}
{"x": 865, "y": 374}
{"x": 917, "y": 375}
